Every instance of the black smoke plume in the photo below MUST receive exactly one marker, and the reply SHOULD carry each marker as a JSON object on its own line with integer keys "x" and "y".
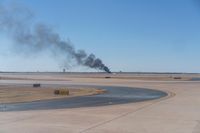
{"x": 18, "y": 22}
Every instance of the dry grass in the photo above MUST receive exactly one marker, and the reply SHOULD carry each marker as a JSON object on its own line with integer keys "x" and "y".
{"x": 15, "y": 94}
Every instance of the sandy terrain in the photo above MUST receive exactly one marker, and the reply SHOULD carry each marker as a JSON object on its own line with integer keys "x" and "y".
{"x": 178, "y": 113}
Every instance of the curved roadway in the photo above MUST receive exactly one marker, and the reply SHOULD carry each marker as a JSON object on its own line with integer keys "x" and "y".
{"x": 114, "y": 95}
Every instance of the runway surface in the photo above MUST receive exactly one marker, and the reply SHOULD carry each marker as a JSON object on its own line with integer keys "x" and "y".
{"x": 114, "y": 95}
{"x": 176, "y": 113}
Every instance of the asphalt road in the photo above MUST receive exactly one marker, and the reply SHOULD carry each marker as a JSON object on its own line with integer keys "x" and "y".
{"x": 113, "y": 96}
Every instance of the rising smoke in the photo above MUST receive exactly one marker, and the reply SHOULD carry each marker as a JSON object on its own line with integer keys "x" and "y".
{"x": 18, "y": 22}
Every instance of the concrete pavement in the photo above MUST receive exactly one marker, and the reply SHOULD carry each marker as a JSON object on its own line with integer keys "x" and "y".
{"x": 178, "y": 113}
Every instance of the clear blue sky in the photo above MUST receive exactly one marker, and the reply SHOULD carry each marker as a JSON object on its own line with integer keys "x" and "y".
{"x": 129, "y": 35}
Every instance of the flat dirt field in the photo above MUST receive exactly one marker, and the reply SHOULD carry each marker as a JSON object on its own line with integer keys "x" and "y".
{"x": 179, "y": 112}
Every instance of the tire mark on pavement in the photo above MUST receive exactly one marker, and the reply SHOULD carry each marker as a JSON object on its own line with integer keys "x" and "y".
{"x": 153, "y": 102}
